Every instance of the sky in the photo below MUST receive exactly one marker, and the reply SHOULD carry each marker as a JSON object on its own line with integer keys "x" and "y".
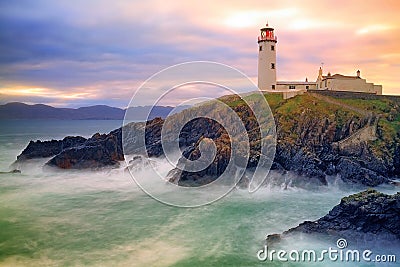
{"x": 80, "y": 53}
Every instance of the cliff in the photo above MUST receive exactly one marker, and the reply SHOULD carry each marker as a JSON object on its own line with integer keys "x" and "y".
{"x": 313, "y": 134}
{"x": 353, "y": 137}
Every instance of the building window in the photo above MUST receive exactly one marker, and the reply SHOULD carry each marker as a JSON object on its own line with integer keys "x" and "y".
{"x": 273, "y": 87}
{"x": 260, "y": 48}
{"x": 273, "y": 66}
{"x": 307, "y": 87}
{"x": 292, "y": 87}
{"x": 272, "y": 48}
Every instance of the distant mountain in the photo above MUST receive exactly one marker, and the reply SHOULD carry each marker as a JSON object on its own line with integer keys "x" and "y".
{"x": 16, "y": 110}
{"x": 142, "y": 112}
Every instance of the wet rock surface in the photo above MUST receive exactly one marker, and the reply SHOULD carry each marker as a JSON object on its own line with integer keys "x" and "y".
{"x": 98, "y": 151}
{"x": 365, "y": 215}
{"x": 44, "y": 149}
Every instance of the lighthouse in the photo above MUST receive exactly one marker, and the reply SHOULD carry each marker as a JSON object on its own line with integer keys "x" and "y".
{"x": 267, "y": 59}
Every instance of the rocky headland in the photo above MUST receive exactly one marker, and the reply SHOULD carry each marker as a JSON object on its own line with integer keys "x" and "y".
{"x": 318, "y": 135}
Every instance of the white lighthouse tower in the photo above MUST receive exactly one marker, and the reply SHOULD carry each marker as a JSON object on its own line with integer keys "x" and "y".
{"x": 267, "y": 59}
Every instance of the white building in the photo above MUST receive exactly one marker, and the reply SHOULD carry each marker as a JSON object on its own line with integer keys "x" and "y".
{"x": 267, "y": 47}
{"x": 338, "y": 82}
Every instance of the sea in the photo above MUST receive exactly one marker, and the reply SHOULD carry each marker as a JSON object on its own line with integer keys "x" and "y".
{"x": 102, "y": 218}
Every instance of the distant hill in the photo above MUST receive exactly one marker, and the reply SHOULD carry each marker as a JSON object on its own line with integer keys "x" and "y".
{"x": 16, "y": 110}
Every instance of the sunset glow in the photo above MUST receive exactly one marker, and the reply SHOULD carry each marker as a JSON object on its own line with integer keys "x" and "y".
{"x": 98, "y": 52}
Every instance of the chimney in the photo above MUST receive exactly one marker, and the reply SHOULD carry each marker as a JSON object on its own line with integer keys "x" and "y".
{"x": 358, "y": 73}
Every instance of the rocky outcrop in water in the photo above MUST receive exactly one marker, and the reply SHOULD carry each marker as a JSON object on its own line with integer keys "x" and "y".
{"x": 45, "y": 149}
{"x": 365, "y": 215}
{"x": 98, "y": 151}
{"x": 77, "y": 152}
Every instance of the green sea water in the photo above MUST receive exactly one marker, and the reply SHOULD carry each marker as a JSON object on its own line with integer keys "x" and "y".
{"x": 87, "y": 218}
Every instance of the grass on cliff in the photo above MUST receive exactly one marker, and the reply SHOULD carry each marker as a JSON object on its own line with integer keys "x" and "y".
{"x": 307, "y": 103}
{"x": 375, "y": 105}
{"x": 289, "y": 112}
{"x": 294, "y": 115}
{"x": 301, "y": 114}
{"x": 388, "y": 109}
{"x": 310, "y": 121}
{"x": 388, "y": 131}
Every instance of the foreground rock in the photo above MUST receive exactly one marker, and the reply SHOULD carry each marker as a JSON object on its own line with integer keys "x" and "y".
{"x": 367, "y": 215}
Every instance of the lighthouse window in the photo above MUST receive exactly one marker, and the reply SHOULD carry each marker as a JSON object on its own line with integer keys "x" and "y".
{"x": 273, "y": 87}
{"x": 273, "y": 66}
{"x": 260, "y": 48}
{"x": 272, "y": 48}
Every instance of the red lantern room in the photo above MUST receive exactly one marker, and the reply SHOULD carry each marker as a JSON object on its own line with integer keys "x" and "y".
{"x": 267, "y": 34}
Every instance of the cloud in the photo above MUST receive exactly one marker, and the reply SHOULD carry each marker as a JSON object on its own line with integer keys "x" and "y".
{"x": 101, "y": 50}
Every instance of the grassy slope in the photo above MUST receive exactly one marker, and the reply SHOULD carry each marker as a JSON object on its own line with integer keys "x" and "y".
{"x": 290, "y": 115}
{"x": 389, "y": 123}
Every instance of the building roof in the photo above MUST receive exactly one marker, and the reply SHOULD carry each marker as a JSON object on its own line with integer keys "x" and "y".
{"x": 267, "y": 29}
{"x": 294, "y": 83}
{"x": 341, "y": 77}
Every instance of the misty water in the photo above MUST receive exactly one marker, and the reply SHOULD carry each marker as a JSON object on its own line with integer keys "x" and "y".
{"x": 102, "y": 218}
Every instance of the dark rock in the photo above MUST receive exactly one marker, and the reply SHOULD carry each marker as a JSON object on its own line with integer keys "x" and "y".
{"x": 352, "y": 171}
{"x": 45, "y": 149}
{"x": 396, "y": 161}
{"x": 98, "y": 151}
{"x": 301, "y": 162}
{"x": 273, "y": 239}
{"x": 153, "y": 137}
{"x": 211, "y": 172}
{"x": 365, "y": 214}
